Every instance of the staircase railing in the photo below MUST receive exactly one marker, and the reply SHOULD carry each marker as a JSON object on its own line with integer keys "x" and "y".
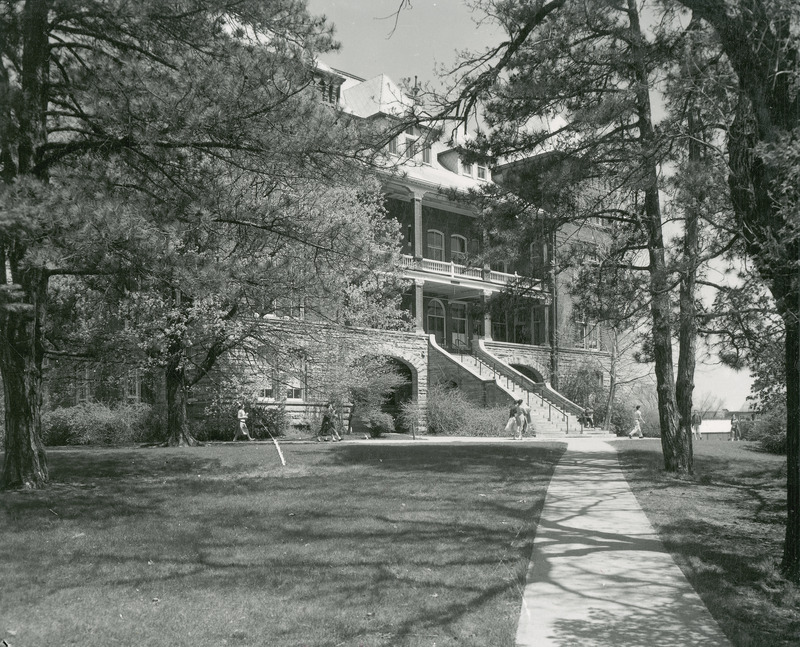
{"x": 548, "y": 396}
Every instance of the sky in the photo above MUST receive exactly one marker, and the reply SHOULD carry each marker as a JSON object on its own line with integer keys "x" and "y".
{"x": 422, "y": 39}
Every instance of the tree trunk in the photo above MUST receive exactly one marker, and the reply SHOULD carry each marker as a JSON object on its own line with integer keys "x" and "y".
{"x": 21, "y": 354}
{"x": 178, "y": 434}
{"x": 790, "y": 566}
{"x": 687, "y": 326}
{"x": 612, "y": 379}
{"x": 677, "y": 455}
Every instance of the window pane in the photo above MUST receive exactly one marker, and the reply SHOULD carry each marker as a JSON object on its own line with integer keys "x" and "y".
{"x": 436, "y": 245}
{"x": 458, "y": 248}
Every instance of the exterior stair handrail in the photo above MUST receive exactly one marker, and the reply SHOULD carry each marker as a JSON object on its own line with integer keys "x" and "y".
{"x": 546, "y": 393}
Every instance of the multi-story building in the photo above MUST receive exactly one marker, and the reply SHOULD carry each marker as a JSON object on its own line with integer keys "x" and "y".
{"x": 468, "y": 333}
{"x": 497, "y": 330}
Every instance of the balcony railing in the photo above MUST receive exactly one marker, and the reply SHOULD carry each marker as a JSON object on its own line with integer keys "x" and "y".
{"x": 455, "y": 270}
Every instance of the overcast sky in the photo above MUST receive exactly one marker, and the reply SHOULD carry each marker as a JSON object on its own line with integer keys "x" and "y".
{"x": 415, "y": 43}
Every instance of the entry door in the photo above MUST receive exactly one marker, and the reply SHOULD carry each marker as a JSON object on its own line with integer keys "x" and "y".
{"x": 458, "y": 315}
{"x": 436, "y": 320}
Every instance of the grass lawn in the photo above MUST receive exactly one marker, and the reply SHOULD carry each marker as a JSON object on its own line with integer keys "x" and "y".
{"x": 348, "y": 545}
{"x": 725, "y": 528}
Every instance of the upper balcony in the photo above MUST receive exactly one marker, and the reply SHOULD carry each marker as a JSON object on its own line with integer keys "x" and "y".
{"x": 429, "y": 269}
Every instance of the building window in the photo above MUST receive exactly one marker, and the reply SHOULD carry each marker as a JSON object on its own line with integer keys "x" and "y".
{"x": 267, "y": 393}
{"x": 458, "y": 249}
{"x": 466, "y": 169}
{"x": 522, "y": 325}
{"x": 436, "y": 320}
{"x": 289, "y": 308}
{"x": 411, "y": 147}
{"x": 82, "y": 382}
{"x": 587, "y": 334}
{"x": 539, "y": 260}
{"x": 481, "y": 172}
{"x": 426, "y": 154}
{"x": 539, "y": 321}
{"x": 499, "y": 266}
{"x": 294, "y": 389}
{"x": 435, "y": 245}
{"x": 393, "y": 146}
{"x": 133, "y": 386}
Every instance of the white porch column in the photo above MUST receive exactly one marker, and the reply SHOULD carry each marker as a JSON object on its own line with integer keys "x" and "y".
{"x": 419, "y": 310}
{"x": 487, "y": 316}
{"x": 418, "y": 247}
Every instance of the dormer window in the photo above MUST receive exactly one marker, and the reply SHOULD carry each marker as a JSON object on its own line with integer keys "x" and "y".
{"x": 466, "y": 169}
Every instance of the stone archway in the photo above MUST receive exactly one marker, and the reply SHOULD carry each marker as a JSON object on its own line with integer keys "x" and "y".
{"x": 528, "y": 371}
{"x": 408, "y": 353}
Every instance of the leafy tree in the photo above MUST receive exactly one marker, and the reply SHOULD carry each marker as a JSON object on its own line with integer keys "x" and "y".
{"x": 760, "y": 40}
{"x": 578, "y": 78}
{"x": 134, "y": 137}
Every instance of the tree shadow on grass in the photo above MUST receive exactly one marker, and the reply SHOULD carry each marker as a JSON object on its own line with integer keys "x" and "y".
{"x": 725, "y": 529}
{"x": 360, "y": 545}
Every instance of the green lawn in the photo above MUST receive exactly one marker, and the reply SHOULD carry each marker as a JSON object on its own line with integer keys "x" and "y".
{"x": 725, "y": 528}
{"x": 349, "y": 545}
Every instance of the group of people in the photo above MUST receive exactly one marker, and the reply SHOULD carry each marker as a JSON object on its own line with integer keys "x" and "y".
{"x": 519, "y": 420}
{"x": 327, "y": 428}
{"x": 696, "y": 421}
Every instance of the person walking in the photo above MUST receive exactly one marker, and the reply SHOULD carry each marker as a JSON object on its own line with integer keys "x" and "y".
{"x": 514, "y": 424}
{"x": 637, "y": 423}
{"x": 697, "y": 420}
{"x": 241, "y": 426}
{"x": 736, "y": 433}
{"x": 328, "y": 426}
{"x": 527, "y": 423}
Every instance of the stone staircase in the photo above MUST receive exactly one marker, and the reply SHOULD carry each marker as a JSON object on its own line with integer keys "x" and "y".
{"x": 552, "y": 415}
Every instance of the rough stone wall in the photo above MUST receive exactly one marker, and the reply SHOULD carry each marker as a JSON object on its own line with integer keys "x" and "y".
{"x": 537, "y": 358}
{"x": 481, "y": 391}
{"x": 407, "y": 347}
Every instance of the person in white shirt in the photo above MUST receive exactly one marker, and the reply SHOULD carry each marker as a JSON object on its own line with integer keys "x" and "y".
{"x": 637, "y": 423}
{"x": 241, "y": 427}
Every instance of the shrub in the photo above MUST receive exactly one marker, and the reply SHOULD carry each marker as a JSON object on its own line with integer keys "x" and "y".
{"x": 91, "y": 423}
{"x": 770, "y": 431}
{"x": 446, "y": 410}
{"x": 377, "y": 423}
{"x": 270, "y": 422}
{"x": 450, "y": 413}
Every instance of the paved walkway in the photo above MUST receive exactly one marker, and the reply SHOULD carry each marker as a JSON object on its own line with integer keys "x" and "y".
{"x": 599, "y": 576}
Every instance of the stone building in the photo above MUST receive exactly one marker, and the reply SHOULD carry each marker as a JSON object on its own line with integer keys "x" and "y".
{"x": 466, "y": 335}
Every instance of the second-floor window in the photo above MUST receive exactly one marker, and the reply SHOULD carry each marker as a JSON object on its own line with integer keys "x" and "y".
{"x": 426, "y": 154}
{"x": 458, "y": 249}
{"x": 435, "y": 245}
{"x": 466, "y": 169}
{"x": 482, "y": 175}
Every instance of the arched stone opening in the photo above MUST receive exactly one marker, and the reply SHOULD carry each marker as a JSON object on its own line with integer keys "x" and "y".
{"x": 529, "y": 372}
{"x": 394, "y": 400}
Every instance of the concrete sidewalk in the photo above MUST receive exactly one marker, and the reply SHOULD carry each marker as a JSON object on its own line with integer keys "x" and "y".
{"x": 599, "y": 576}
